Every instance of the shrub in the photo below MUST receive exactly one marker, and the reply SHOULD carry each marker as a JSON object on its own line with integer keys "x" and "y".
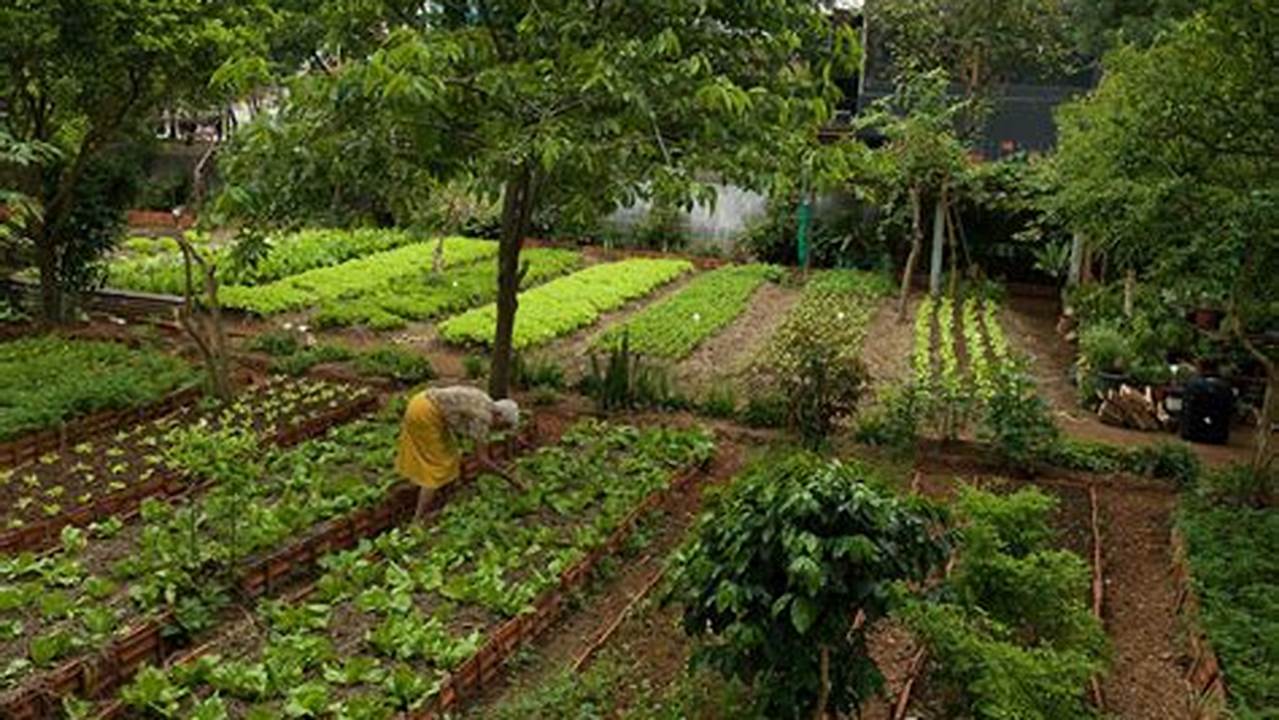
{"x": 1010, "y": 633}
{"x": 779, "y": 566}
{"x": 894, "y": 422}
{"x": 475, "y": 367}
{"x": 765, "y": 411}
{"x": 823, "y": 392}
{"x": 1166, "y": 460}
{"x": 398, "y": 364}
{"x": 301, "y": 362}
{"x": 626, "y": 382}
{"x": 537, "y": 373}
{"x": 1016, "y": 421}
{"x": 1104, "y": 347}
{"x": 276, "y": 343}
{"x": 720, "y": 402}
{"x": 1240, "y": 485}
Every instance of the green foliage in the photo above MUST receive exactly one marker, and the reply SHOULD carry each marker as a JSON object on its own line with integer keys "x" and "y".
{"x": 306, "y": 358}
{"x": 1164, "y": 460}
{"x": 423, "y": 296}
{"x": 1017, "y": 422}
{"x": 674, "y": 327}
{"x": 276, "y": 343}
{"x": 764, "y": 411}
{"x": 564, "y": 305}
{"x": 1241, "y": 485}
{"x": 420, "y": 589}
{"x": 628, "y": 382}
{"x": 354, "y": 278}
{"x": 720, "y": 402}
{"x": 781, "y": 563}
{"x": 537, "y": 373}
{"x": 157, "y": 266}
{"x": 46, "y": 380}
{"x": 398, "y": 364}
{"x": 475, "y": 367}
{"x": 1009, "y": 631}
{"x": 1234, "y": 561}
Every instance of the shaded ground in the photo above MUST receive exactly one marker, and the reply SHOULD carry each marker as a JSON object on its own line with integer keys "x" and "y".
{"x": 1031, "y": 326}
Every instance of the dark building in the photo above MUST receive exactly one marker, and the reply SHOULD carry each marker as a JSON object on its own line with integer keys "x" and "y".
{"x": 1021, "y": 116}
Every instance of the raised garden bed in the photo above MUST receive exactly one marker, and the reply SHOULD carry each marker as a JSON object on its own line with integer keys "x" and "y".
{"x": 150, "y": 639}
{"x": 110, "y": 475}
{"x": 392, "y": 615}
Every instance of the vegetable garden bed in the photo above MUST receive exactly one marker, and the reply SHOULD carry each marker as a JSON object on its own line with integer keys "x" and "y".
{"x": 419, "y": 296}
{"x": 674, "y": 327}
{"x": 399, "y": 623}
{"x": 109, "y": 475}
{"x": 49, "y": 380}
{"x": 354, "y": 278}
{"x": 155, "y": 264}
{"x": 149, "y": 636}
{"x": 567, "y": 304}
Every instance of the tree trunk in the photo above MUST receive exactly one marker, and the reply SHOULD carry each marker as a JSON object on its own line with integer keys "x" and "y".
{"x": 517, "y": 208}
{"x": 50, "y": 286}
{"x": 1130, "y": 291}
{"x": 916, "y": 247}
{"x": 823, "y": 692}
{"x": 1075, "y": 274}
{"x": 1264, "y": 455}
{"x": 208, "y": 333}
{"x": 939, "y": 240}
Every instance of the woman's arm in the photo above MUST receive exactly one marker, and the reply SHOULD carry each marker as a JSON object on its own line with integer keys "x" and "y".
{"x": 486, "y": 462}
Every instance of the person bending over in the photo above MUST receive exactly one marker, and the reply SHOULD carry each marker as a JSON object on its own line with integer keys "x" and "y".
{"x": 435, "y": 420}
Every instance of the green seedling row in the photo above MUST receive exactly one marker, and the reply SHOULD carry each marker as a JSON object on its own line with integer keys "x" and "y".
{"x": 567, "y": 304}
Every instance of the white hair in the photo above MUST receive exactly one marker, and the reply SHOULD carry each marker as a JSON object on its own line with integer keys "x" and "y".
{"x": 508, "y": 410}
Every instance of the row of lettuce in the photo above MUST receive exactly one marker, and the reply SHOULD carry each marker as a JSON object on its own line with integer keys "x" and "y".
{"x": 387, "y": 620}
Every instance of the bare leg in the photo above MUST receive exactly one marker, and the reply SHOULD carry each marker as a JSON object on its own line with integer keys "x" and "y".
{"x": 424, "y": 498}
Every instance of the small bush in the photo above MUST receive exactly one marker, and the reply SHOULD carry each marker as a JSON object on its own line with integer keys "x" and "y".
{"x": 894, "y": 422}
{"x": 276, "y": 343}
{"x": 475, "y": 367}
{"x": 400, "y": 365}
{"x": 625, "y": 382}
{"x": 823, "y": 392}
{"x": 1016, "y": 421}
{"x": 303, "y": 361}
{"x": 720, "y": 402}
{"x": 765, "y": 411}
{"x": 1166, "y": 460}
{"x": 1240, "y": 485}
{"x": 537, "y": 373}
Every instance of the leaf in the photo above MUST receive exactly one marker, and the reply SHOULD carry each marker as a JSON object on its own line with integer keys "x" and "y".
{"x": 803, "y": 613}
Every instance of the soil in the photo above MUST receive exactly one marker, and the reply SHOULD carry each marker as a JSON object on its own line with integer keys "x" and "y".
{"x": 1031, "y": 325}
{"x": 889, "y": 344}
{"x": 1140, "y": 606}
{"x": 724, "y": 354}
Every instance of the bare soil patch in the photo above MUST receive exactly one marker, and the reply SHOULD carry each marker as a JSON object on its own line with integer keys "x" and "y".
{"x": 889, "y": 344}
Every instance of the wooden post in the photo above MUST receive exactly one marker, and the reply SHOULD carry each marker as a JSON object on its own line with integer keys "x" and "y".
{"x": 939, "y": 239}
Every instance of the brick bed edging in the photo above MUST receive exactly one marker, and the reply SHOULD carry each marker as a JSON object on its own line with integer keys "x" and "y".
{"x": 1204, "y": 681}
{"x": 94, "y": 676}
{"x": 473, "y": 675}
{"x": 28, "y": 448}
{"x": 47, "y": 533}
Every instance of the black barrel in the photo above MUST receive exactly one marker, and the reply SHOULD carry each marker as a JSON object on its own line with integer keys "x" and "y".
{"x": 1207, "y": 406}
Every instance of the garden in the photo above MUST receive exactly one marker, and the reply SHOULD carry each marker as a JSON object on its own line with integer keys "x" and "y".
{"x": 881, "y": 404}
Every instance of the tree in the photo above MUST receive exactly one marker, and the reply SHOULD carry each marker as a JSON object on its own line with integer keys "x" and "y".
{"x": 924, "y": 156}
{"x": 981, "y": 44}
{"x": 84, "y": 77}
{"x": 788, "y": 570}
{"x": 1172, "y": 161}
{"x": 583, "y": 106}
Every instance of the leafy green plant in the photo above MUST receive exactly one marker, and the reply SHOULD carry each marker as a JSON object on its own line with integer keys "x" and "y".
{"x": 537, "y": 373}
{"x": 398, "y": 364}
{"x": 48, "y": 379}
{"x": 476, "y": 367}
{"x": 720, "y": 402}
{"x": 764, "y": 411}
{"x": 307, "y": 358}
{"x": 779, "y": 566}
{"x": 564, "y": 305}
{"x": 674, "y": 327}
{"x": 1017, "y": 422}
{"x": 1009, "y": 630}
{"x": 626, "y": 382}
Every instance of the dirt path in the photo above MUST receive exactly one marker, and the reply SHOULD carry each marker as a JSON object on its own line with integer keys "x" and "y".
{"x": 1140, "y": 609}
{"x": 650, "y": 635}
{"x": 888, "y": 345}
{"x": 725, "y": 353}
{"x": 1031, "y": 326}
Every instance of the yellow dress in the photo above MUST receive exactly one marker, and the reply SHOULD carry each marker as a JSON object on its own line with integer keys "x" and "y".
{"x": 427, "y": 453}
